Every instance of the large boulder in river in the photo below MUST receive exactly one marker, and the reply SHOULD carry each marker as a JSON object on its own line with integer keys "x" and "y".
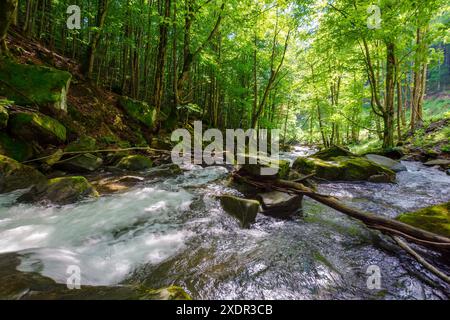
{"x": 46, "y": 87}
{"x": 265, "y": 167}
{"x": 344, "y": 169}
{"x": 243, "y": 209}
{"x": 139, "y": 111}
{"x": 85, "y": 162}
{"x": 332, "y": 152}
{"x": 16, "y": 176}
{"x": 35, "y": 126}
{"x": 135, "y": 163}
{"x": 280, "y": 205}
{"x": 443, "y": 163}
{"x": 60, "y": 191}
{"x": 393, "y": 165}
{"x": 435, "y": 219}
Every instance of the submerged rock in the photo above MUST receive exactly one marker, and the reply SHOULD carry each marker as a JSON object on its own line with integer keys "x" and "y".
{"x": 135, "y": 163}
{"x": 393, "y": 165}
{"x": 435, "y": 219}
{"x": 35, "y": 126}
{"x": 332, "y": 152}
{"x": 81, "y": 163}
{"x": 343, "y": 169}
{"x": 280, "y": 205}
{"x": 16, "y": 176}
{"x": 60, "y": 191}
{"x": 243, "y": 209}
{"x": 46, "y": 87}
{"x": 139, "y": 111}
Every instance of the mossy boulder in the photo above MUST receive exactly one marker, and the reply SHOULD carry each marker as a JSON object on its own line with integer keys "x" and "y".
{"x": 332, "y": 152}
{"x": 15, "y": 148}
{"x": 34, "y": 85}
{"x": 35, "y": 126}
{"x": 435, "y": 219}
{"x": 265, "y": 167}
{"x": 393, "y": 165}
{"x": 16, "y": 176}
{"x": 139, "y": 111}
{"x": 243, "y": 209}
{"x": 343, "y": 169}
{"x": 4, "y": 116}
{"x": 135, "y": 163}
{"x": 84, "y": 143}
{"x": 280, "y": 205}
{"x": 60, "y": 191}
{"x": 85, "y": 162}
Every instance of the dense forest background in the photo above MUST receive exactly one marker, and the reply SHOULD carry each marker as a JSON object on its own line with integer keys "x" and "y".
{"x": 329, "y": 72}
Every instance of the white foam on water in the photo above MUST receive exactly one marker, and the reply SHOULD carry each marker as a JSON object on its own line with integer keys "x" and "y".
{"x": 107, "y": 238}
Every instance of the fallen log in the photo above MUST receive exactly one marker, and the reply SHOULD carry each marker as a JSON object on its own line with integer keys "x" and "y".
{"x": 373, "y": 221}
{"x": 391, "y": 227}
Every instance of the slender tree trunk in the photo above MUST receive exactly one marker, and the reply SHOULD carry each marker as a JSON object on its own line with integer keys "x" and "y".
{"x": 7, "y": 9}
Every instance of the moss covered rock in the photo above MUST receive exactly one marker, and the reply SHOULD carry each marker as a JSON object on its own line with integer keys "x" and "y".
{"x": 265, "y": 167}
{"x": 243, "y": 209}
{"x": 34, "y": 126}
{"x": 435, "y": 219}
{"x": 332, "y": 152}
{"x": 15, "y": 148}
{"x": 4, "y": 116}
{"x": 16, "y": 176}
{"x": 135, "y": 163}
{"x": 84, "y": 143}
{"x": 60, "y": 191}
{"x": 139, "y": 111}
{"x": 343, "y": 169}
{"x": 169, "y": 293}
{"x": 34, "y": 85}
{"x": 80, "y": 163}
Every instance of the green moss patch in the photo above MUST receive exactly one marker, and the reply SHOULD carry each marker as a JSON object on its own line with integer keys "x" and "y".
{"x": 34, "y": 126}
{"x": 16, "y": 176}
{"x": 34, "y": 84}
{"x": 15, "y": 148}
{"x": 135, "y": 163}
{"x": 435, "y": 219}
{"x": 139, "y": 111}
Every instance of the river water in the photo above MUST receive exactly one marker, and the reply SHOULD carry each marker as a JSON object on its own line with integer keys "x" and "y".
{"x": 173, "y": 231}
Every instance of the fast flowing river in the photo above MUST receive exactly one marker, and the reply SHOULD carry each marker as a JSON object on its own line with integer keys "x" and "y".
{"x": 173, "y": 231}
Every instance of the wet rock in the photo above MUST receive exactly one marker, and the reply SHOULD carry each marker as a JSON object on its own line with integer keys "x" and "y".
{"x": 393, "y": 165}
{"x": 46, "y": 87}
{"x": 165, "y": 170}
{"x": 448, "y": 172}
{"x": 139, "y": 111}
{"x": 443, "y": 163}
{"x": 435, "y": 219}
{"x": 265, "y": 168}
{"x": 84, "y": 143}
{"x": 332, "y": 152}
{"x": 342, "y": 168}
{"x": 280, "y": 205}
{"x": 60, "y": 191}
{"x": 35, "y": 126}
{"x": 14, "y": 148}
{"x": 380, "y": 178}
{"x": 115, "y": 185}
{"x": 16, "y": 176}
{"x": 243, "y": 209}
{"x": 135, "y": 163}
{"x": 81, "y": 163}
